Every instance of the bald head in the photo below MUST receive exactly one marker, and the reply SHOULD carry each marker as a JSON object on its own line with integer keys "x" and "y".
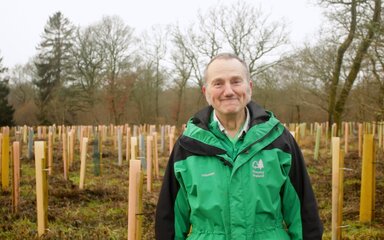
{"x": 226, "y": 56}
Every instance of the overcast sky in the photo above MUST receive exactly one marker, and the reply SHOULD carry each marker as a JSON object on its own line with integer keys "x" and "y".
{"x": 22, "y": 21}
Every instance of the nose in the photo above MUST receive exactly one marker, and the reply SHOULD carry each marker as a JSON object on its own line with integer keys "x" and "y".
{"x": 228, "y": 91}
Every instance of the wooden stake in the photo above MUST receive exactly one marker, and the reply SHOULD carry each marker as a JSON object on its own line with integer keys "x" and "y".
{"x": 133, "y": 147}
{"x": 335, "y": 188}
{"x": 65, "y": 159}
{"x": 95, "y": 156}
{"x": 114, "y": 136}
{"x": 16, "y": 177}
{"x": 311, "y": 129}
{"x": 101, "y": 138}
{"x": 341, "y": 194}
{"x": 360, "y": 138}
{"x": 380, "y": 133}
{"x": 134, "y": 170}
{"x": 19, "y": 138}
{"x": 149, "y": 163}
{"x": 303, "y": 128}
{"x": 317, "y": 143}
{"x": 30, "y": 143}
{"x": 346, "y": 136}
{"x": 367, "y": 180}
{"x": 326, "y": 134}
{"x": 50, "y": 153}
{"x": 25, "y": 132}
{"x": 44, "y": 132}
{"x": 298, "y": 134}
{"x": 71, "y": 136}
{"x": 334, "y": 130}
{"x": 119, "y": 146}
{"x": 162, "y": 139}
{"x": 39, "y": 132}
{"x": 142, "y": 150}
{"x": 139, "y": 206}
{"x": 83, "y": 154}
{"x": 156, "y": 155}
{"x": 127, "y": 142}
{"x": 82, "y": 129}
{"x": 60, "y": 130}
{"x": 41, "y": 188}
{"x": 53, "y": 131}
{"x": 5, "y": 160}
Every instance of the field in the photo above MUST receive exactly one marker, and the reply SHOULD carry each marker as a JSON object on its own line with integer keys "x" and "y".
{"x": 100, "y": 210}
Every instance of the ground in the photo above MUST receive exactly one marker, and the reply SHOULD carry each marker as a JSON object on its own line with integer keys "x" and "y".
{"x": 100, "y": 210}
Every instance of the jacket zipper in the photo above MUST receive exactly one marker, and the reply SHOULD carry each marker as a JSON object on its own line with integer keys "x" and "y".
{"x": 225, "y": 162}
{"x": 257, "y": 141}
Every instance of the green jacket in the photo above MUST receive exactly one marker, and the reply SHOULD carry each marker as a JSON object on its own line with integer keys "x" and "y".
{"x": 256, "y": 189}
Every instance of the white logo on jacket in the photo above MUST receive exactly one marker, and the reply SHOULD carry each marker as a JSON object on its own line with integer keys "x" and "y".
{"x": 258, "y": 167}
{"x": 208, "y": 174}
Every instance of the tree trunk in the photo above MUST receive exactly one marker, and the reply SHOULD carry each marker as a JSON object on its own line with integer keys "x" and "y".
{"x": 337, "y": 104}
{"x": 178, "y": 106}
{"x": 298, "y": 113}
{"x": 361, "y": 51}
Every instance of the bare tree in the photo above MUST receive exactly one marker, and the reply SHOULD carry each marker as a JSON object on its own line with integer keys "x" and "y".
{"x": 361, "y": 19}
{"x": 376, "y": 58}
{"x": 239, "y": 28}
{"x": 143, "y": 92}
{"x": 311, "y": 67}
{"x": 89, "y": 71}
{"x": 22, "y": 93}
{"x": 250, "y": 34}
{"x": 21, "y": 77}
{"x": 182, "y": 70}
{"x": 116, "y": 40}
{"x": 154, "y": 46}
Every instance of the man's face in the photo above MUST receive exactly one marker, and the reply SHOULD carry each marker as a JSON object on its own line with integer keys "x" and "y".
{"x": 227, "y": 88}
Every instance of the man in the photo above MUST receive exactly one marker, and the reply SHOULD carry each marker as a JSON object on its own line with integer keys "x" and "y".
{"x": 236, "y": 172}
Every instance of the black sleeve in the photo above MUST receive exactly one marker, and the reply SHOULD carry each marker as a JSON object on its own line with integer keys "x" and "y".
{"x": 165, "y": 216}
{"x": 312, "y": 226}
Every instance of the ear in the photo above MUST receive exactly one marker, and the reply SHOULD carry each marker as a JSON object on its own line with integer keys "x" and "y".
{"x": 250, "y": 89}
{"x": 204, "y": 89}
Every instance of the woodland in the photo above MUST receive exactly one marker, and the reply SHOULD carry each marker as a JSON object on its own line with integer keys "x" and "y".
{"x": 106, "y": 73}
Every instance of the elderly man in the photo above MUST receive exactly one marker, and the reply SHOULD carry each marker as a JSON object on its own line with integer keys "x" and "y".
{"x": 236, "y": 172}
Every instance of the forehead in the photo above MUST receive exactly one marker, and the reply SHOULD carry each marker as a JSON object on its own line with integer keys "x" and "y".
{"x": 223, "y": 67}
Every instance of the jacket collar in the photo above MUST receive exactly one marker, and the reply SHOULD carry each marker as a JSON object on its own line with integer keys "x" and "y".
{"x": 256, "y": 112}
{"x": 197, "y": 137}
{"x": 244, "y": 128}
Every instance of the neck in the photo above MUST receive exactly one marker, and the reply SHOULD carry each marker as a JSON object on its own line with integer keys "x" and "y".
{"x": 232, "y": 123}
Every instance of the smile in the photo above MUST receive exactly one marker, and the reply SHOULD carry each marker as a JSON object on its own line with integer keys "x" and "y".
{"x": 229, "y": 99}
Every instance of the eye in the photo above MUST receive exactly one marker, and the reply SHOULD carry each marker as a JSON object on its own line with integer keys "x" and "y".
{"x": 217, "y": 83}
{"x": 237, "y": 81}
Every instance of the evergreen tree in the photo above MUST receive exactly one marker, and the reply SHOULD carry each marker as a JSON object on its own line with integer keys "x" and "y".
{"x": 54, "y": 69}
{"x": 6, "y": 110}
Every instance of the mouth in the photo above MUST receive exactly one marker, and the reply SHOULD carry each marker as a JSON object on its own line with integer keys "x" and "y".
{"x": 229, "y": 99}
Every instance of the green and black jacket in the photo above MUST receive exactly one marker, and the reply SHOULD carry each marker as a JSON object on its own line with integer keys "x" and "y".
{"x": 257, "y": 188}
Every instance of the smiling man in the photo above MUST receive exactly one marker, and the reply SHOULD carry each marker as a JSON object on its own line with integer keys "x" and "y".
{"x": 236, "y": 172}
{"x": 228, "y": 91}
